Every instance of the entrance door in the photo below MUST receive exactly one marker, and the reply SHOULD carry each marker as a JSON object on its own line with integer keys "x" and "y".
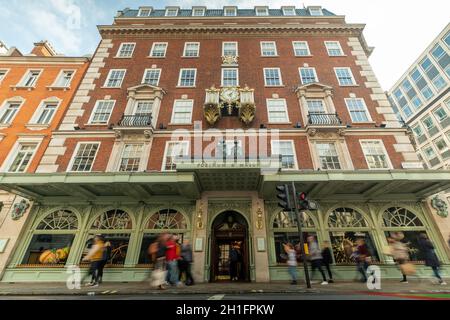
{"x": 229, "y": 248}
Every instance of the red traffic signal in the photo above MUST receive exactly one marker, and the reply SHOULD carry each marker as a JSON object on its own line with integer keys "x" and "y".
{"x": 302, "y": 196}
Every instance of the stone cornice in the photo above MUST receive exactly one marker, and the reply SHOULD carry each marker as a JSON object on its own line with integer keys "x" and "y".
{"x": 43, "y": 60}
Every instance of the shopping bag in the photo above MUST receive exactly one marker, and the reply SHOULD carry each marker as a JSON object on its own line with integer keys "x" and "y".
{"x": 158, "y": 277}
{"x": 408, "y": 269}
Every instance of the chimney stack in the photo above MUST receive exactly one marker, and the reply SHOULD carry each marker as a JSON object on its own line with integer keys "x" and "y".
{"x": 43, "y": 49}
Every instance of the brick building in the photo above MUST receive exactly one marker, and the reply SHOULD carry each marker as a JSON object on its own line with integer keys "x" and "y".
{"x": 35, "y": 91}
{"x": 187, "y": 119}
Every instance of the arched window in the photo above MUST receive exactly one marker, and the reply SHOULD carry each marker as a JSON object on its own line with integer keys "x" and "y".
{"x": 166, "y": 220}
{"x": 115, "y": 226}
{"x": 285, "y": 230}
{"x": 52, "y": 240}
{"x": 403, "y": 224}
{"x": 349, "y": 229}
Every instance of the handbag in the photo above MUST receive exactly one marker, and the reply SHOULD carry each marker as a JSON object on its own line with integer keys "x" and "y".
{"x": 408, "y": 269}
{"x": 158, "y": 277}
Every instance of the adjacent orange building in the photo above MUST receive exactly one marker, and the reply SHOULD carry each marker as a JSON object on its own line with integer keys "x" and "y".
{"x": 35, "y": 91}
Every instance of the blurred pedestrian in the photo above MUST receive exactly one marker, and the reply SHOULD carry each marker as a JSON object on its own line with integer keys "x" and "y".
{"x": 400, "y": 253}
{"x": 431, "y": 259}
{"x": 172, "y": 257}
{"x": 234, "y": 260}
{"x": 185, "y": 262}
{"x": 106, "y": 256}
{"x": 157, "y": 252}
{"x": 291, "y": 261}
{"x": 315, "y": 257}
{"x": 362, "y": 258}
{"x": 95, "y": 256}
{"x": 327, "y": 260}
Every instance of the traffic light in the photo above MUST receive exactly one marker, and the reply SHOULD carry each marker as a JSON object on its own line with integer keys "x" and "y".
{"x": 283, "y": 195}
{"x": 304, "y": 203}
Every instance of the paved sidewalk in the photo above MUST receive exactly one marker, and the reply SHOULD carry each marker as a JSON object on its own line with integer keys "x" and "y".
{"x": 138, "y": 288}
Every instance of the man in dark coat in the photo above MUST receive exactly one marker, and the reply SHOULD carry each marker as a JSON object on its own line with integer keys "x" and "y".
{"x": 431, "y": 259}
{"x": 327, "y": 259}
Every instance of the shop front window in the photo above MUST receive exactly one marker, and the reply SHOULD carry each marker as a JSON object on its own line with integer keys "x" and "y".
{"x": 347, "y": 228}
{"x": 405, "y": 225}
{"x": 285, "y": 231}
{"x": 166, "y": 220}
{"x": 52, "y": 240}
{"x": 116, "y": 227}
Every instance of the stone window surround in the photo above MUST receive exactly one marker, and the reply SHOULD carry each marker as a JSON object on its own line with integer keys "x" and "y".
{"x": 342, "y": 150}
{"x": 318, "y": 92}
{"x": 6, "y": 70}
{"x": 20, "y": 84}
{"x": 16, "y": 99}
{"x": 13, "y": 152}
{"x": 42, "y": 104}
{"x": 144, "y": 92}
{"x": 119, "y": 146}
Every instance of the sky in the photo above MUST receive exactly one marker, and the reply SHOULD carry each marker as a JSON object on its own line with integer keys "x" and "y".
{"x": 400, "y": 30}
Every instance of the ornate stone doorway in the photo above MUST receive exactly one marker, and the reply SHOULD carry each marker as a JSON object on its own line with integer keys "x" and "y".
{"x": 229, "y": 248}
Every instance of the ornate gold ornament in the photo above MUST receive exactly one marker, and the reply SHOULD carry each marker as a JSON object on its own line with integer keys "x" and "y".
{"x": 247, "y": 113}
{"x": 200, "y": 219}
{"x": 259, "y": 219}
{"x": 233, "y": 60}
{"x": 211, "y": 113}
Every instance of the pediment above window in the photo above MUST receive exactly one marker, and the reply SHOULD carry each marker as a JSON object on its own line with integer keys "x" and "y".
{"x": 146, "y": 91}
{"x": 314, "y": 90}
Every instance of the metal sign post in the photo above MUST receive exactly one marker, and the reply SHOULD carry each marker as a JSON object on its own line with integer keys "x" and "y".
{"x": 302, "y": 244}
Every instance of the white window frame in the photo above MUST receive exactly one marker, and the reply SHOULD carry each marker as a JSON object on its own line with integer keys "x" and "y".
{"x": 307, "y": 47}
{"x": 4, "y": 76}
{"x": 166, "y": 45}
{"x": 289, "y": 8}
{"x": 328, "y": 49}
{"x": 319, "y": 11}
{"x": 136, "y": 105}
{"x": 118, "y": 54}
{"x": 293, "y": 151}
{"x": 140, "y": 15}
{"x": 3, "y": 109}
{"x": 198, "y": 8}
{"x": 72, "y": 160}
{"x": 300, "y": 74}
{"x": 338, "y": 155}
{"x": 24, "y": 77}
{"x": 261, "y": 43}
{"x": 61, "y": 74}
{"x": 351, "y": 76}
{"x": 172, "y": 120}
{"x": 230, "y": 8}
{"x": 179, "y": 78}
{"x": 441, "y": 138}
{"x": 169, "y": 9}
{"x": 279, "y": 75}
{"x": 369, "y": 118}
{"x": 388, "y": 160}
{"x": 185, "y": 151}
{"x": 437, "y": 117}
{"x": 38, "y": 112}
{"x": 268, "y": 100}
{"x": 105, "y": 85}
{"x": 15, "y": 149}
{"x": 122, "y": 152}
{"x": 222, "y": 76}
{"x": 191, "y": 43}
{"x": 151, "y": 69}
{"x": 266, "y": 11}
{"x": 97, "y": 103}
{"x": 234, "y": 42}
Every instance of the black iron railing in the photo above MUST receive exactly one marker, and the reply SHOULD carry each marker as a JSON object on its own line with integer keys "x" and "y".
{"x": 324, "y": 119}
{"x": 138, "y": 120}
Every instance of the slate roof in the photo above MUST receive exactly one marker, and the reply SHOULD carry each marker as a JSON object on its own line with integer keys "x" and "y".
{"x": 130, "y": 13}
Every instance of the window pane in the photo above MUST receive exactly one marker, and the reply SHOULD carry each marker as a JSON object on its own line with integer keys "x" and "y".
{"x": 229, "y": 77}
{"x": 159, "y": 50}
{"x": 344, "y": 244}
{"x": 84, "y": 157}
{"x": 334, "y": 48}
{"x": 375, "y": 155}
{"x": 9, "y": 113}
{"x": 268, "y": 49}
{"x": 102, "y": 112}
{"x": 47, "y": 114}
{"x": 301, "y": 48}
{"x": 48, "y": 249}
{"x": 191, "y": 50}
{"x": 23, "y": 157}
{"x": 126, "y": 50}
{"x": 344, "y": 76}
{"x": 357, "y": 109}
{"x": 277, "y": 110}
{"x": 119, "y": 247}
{"x": 230, "y": 49}
{"x": 308, "y": 75}
{"x": 187, "y": 78}
{"x": 152, "y": 77}
{"x": 272, "y": 77}
{"x": 328, "y": 156}
{"x": 182, "y": 111}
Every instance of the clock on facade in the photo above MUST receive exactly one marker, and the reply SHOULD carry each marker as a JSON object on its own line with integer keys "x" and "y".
{"x": 229, "y": 94}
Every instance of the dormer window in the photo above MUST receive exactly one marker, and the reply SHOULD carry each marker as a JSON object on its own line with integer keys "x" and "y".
{"x": 262, "y": 11}
{"x": 198, "y": 12}
{"x": 171, "y": 12}
{"x": 230, "y": 12}
{"x": 315, "y": 11}
{"x": 144, "y": 12}
{"x": 289, "y": 11}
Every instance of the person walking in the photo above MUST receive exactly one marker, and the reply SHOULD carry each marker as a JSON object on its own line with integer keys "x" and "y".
{"x": 400, "y": 253}
{"x": 431, "y": 259}
{"x": 157, "y": 253}
{"x": 106, "y": 256}
{"x": 327, "y": 260}
{"x": 234, "y": 260}
{"x": 95, "y": 256}
{"x": 185, "y": 262}
{"x": 291, "y": 261}
{"x": 315, "y": 257}
{"x": 362, "y": 257}
{"x": 172, "y": 258}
